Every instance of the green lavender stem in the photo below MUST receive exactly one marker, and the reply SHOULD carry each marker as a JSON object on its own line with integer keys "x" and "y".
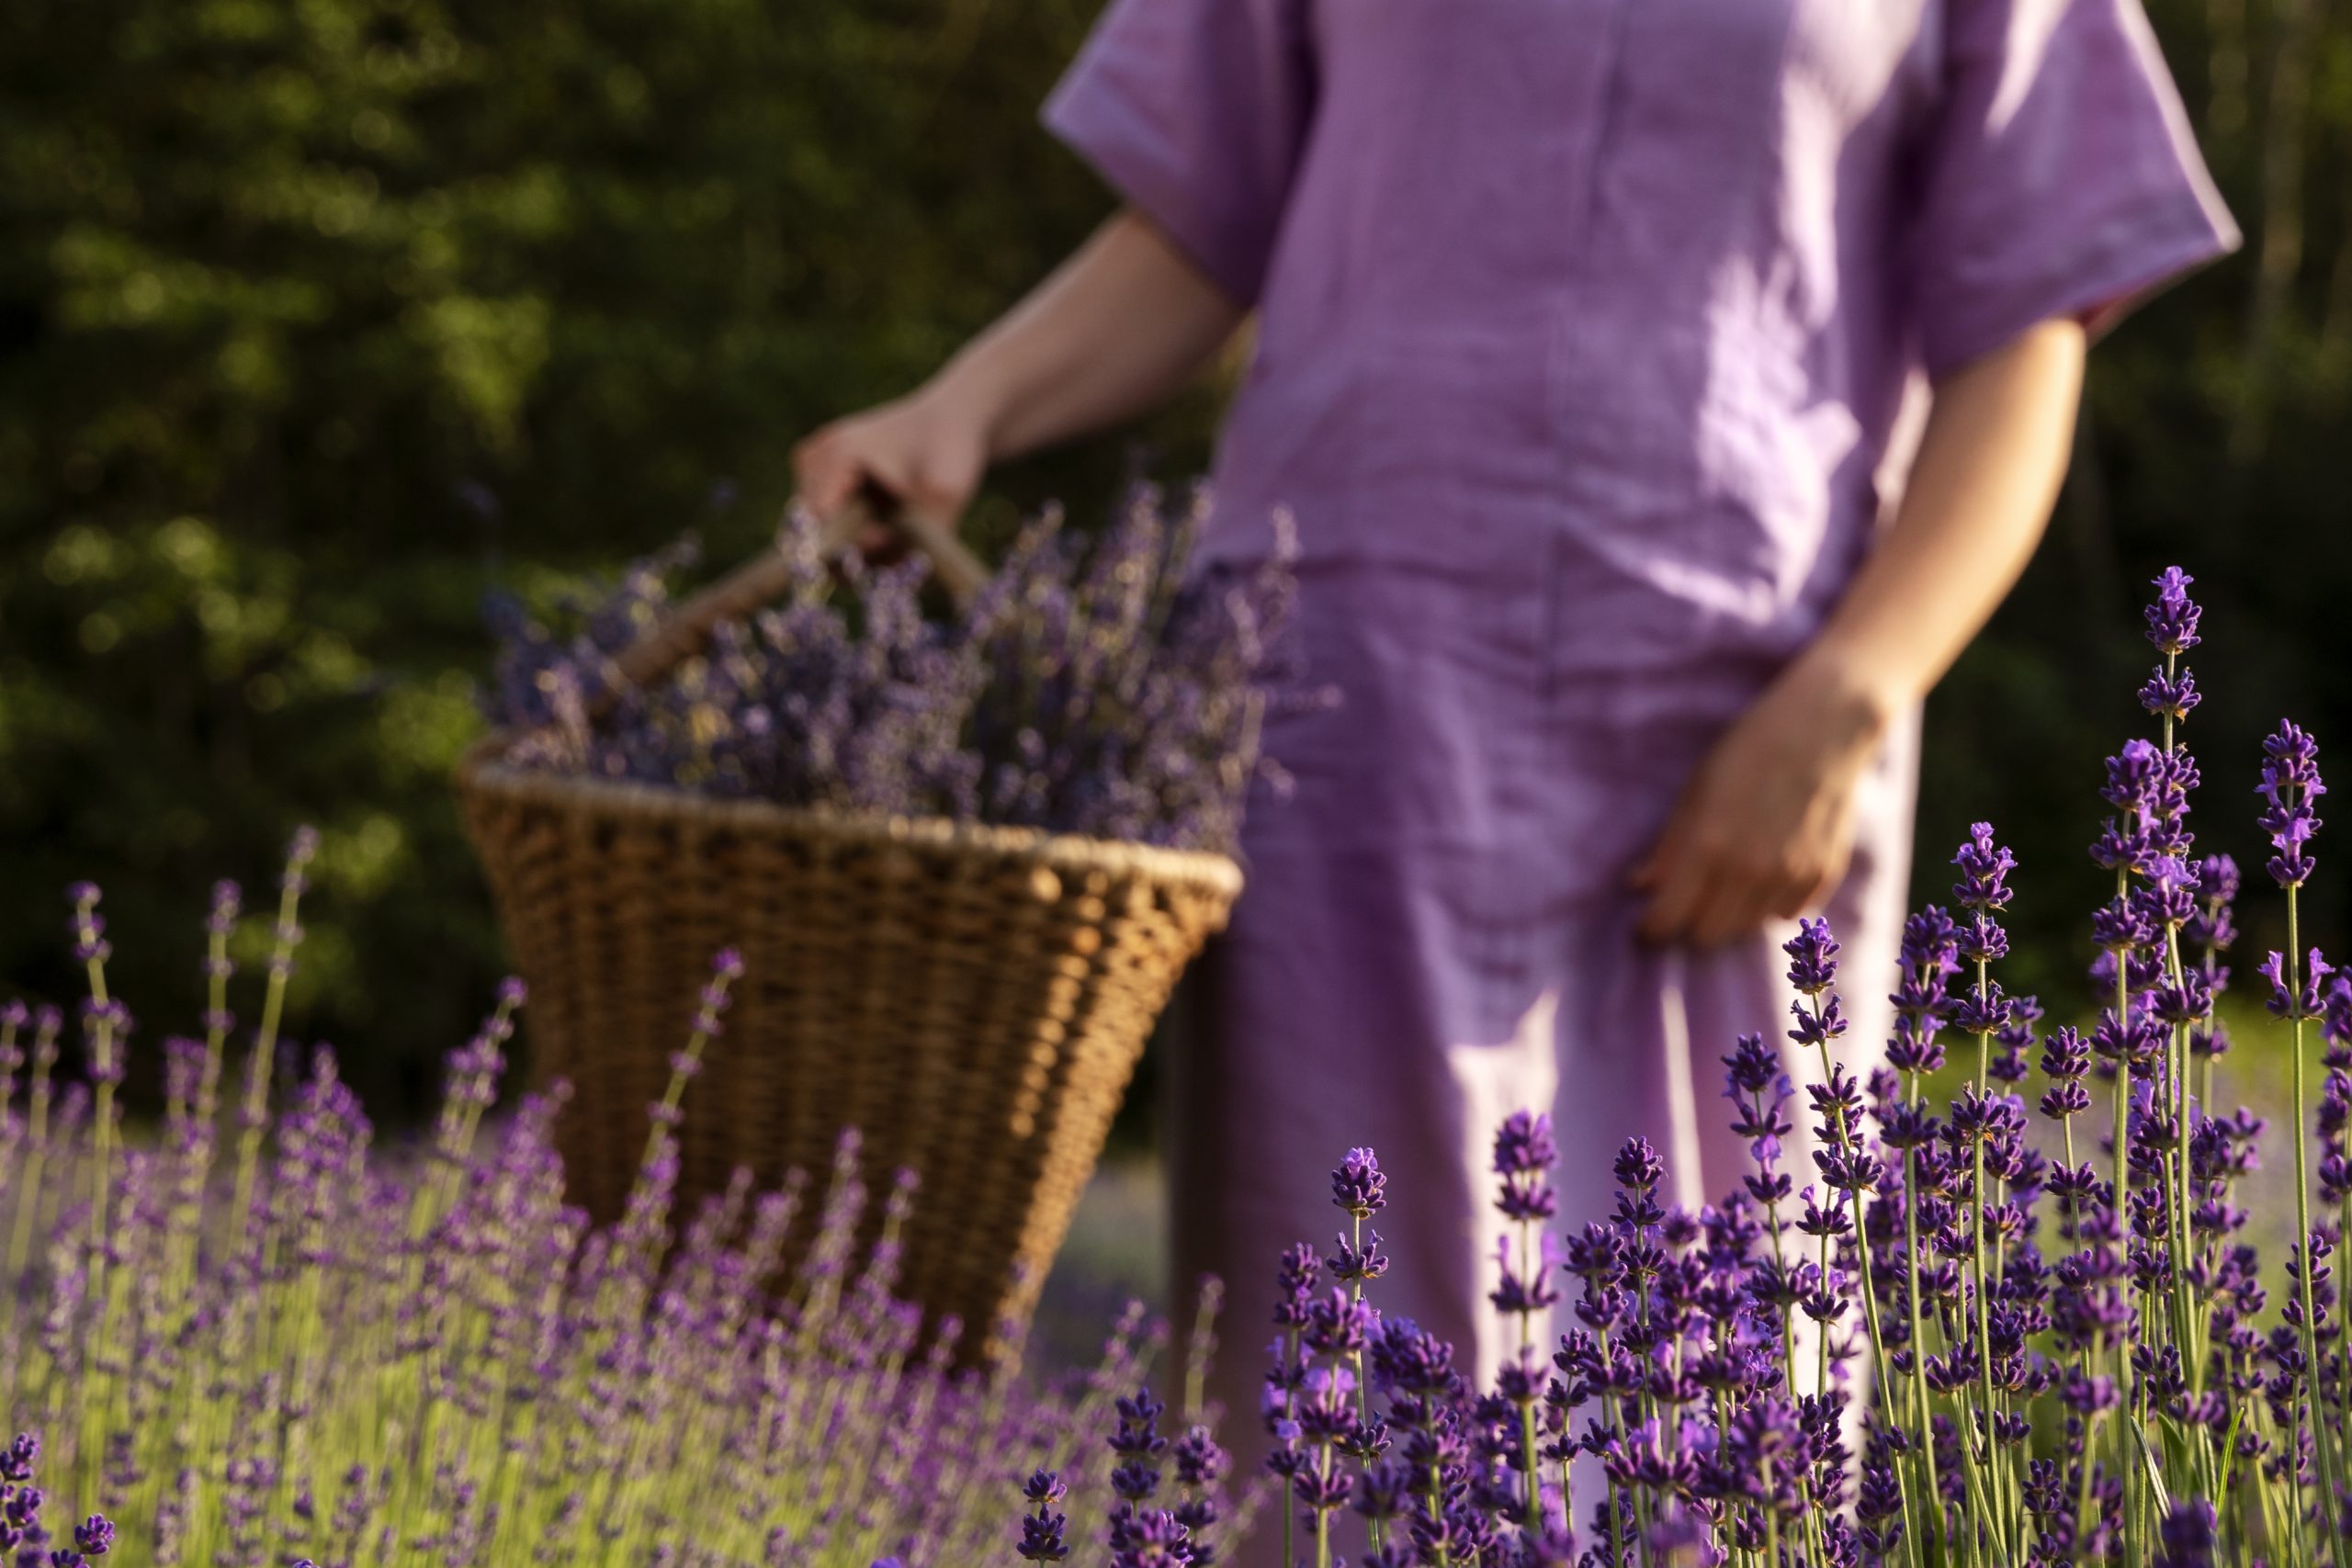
{"x": 2328, "y": 1479}
{"x": 1992, "y": 1410}
{"x": 1924, "y": 1410}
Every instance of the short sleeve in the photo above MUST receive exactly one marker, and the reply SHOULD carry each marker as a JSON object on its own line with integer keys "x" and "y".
{"x": 2058, "y": 177}
{"x": 1195, "y": 111}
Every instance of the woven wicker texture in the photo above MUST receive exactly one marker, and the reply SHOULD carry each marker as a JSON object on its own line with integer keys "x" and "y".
{"x": 972, "y": 1000}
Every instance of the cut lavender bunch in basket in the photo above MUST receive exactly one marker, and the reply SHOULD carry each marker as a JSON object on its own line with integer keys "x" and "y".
{"x": 1097, "y": 686}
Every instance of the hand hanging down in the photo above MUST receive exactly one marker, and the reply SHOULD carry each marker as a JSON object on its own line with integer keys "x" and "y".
{"x": 1764, "y": 827}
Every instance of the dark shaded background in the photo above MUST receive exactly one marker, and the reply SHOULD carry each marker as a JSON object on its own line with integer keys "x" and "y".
{"x": 290, "y": 289}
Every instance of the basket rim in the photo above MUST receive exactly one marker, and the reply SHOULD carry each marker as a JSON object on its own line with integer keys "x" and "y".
{"x": 483, "y": 768}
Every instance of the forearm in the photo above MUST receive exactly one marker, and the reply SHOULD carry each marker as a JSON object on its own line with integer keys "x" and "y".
{"x": 1116, "y": 329}
{"x": 1987, "y": 474}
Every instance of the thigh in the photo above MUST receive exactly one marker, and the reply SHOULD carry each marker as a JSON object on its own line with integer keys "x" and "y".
{"x": 1338, "y": 1015}
{"x": 1330, "y": 1020}
{"x": 1643, "y": 1030}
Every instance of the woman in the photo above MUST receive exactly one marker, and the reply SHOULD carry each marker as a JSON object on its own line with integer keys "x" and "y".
{"x": 1665, "y": 391}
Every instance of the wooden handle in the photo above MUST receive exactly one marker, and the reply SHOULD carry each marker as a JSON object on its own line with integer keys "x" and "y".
{"x": 767, "y": 575}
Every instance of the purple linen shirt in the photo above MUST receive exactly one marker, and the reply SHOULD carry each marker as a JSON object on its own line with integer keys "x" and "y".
{"x": 1659, "y": 282}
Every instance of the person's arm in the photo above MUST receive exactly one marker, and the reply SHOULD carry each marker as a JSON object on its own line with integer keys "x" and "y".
{"x": 1766, "y": 825}
{"x": 1118, "y": 328}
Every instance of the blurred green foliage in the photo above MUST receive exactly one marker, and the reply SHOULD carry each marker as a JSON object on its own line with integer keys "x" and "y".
{"x": 291, "y": 289}
{"x": 2214, "y": 435}
{"x": 282, "y": 281}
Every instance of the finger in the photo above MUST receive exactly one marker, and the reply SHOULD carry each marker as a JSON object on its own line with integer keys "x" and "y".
{"x": 1648, "y": 873}
{"x": 1788, "y": 894}
{"x": 1683, "y": 877}
{"x": 806, "y": 452}
{"x": 883, "y": 545}
{"x": 886, "y": 485}
{"x": 1736, "y": 911}
{"x": 1795, "y": 901}
{"x": 927, "y": 500}
{"x": 1811, "y": 895}
{"x": 1795, "y": 889}
{"x": 1819, "y": 876}
{"x": 1662, "y": 917}
{"x": 1750, "y": 888}
{"x": 1657, "y": 877}
{"x": 828, "y": 475}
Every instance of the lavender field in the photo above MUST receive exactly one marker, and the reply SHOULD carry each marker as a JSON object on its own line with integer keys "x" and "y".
{"x": 2034, "y": 1297}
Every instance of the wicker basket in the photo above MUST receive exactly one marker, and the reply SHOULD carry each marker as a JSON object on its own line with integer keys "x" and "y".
{"x": 972, "y": 1000}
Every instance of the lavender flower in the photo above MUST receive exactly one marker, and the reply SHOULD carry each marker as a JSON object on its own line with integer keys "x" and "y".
{"x": 2290, "y": 782}
{"x": 2292, "y": 999}
{"x": 1983, "y": 891}
{"x": 1928, "y": 959}
{"x": 2172, "y": 619}
{"x": 1153, "y": 1538}
{"x": 1043, "y": 1532}
{"x": 1357, "y": 1185}
{"x": 2187, "y": 1536}
{"x": 1524, "y": 1158}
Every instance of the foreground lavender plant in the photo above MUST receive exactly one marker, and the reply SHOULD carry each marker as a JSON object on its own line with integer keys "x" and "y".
{"x": 2023, "y": 1351}
{"x": 319, "y": 1351}
{"x": 1100, "y": 688}
{"x": 2024, "y": 1354}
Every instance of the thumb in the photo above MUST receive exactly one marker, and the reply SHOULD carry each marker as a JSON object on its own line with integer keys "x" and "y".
{"x": 827, "y": 482}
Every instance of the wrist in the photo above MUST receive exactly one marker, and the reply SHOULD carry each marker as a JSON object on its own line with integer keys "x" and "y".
{"x": 1859, "y": 697}
{"x": 967, "y": 396}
